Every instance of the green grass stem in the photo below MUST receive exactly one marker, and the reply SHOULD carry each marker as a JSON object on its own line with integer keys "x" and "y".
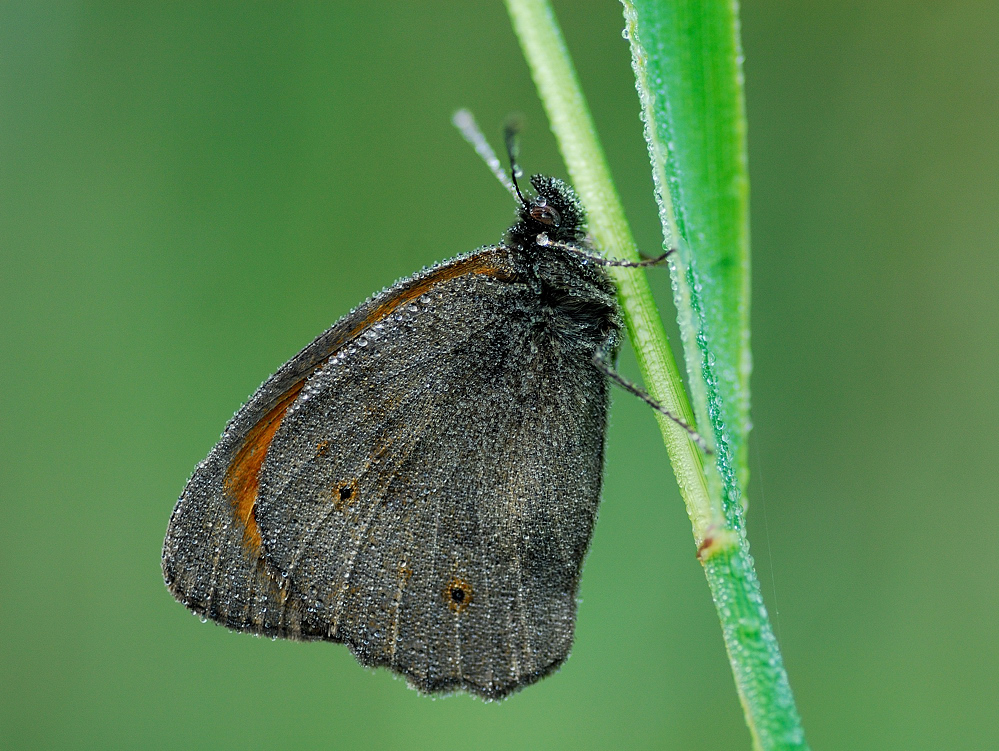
{"x": 686, "y": 57}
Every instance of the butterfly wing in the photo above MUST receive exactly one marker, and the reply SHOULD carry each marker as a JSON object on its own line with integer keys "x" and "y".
{"x": 420, "y": 483}
{"x": 212, "y": 559}
{"x": 430, "y": 496}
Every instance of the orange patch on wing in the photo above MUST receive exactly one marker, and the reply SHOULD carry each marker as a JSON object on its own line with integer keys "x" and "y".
{"x": 242, "y": 479}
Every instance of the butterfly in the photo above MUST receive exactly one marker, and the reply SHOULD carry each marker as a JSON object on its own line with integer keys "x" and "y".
{"x": 421, "y": 481}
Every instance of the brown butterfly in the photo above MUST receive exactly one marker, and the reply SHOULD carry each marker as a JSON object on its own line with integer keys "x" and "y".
{"x": 421, "y": 481}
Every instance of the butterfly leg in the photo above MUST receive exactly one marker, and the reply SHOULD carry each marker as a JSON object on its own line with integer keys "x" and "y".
{"x": 602, "y": 361}
{"x": 544, "y": 241}
{"x": 638, "y": 264}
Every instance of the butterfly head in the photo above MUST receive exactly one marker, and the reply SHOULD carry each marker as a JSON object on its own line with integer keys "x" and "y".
{"x": 554, "y": 211}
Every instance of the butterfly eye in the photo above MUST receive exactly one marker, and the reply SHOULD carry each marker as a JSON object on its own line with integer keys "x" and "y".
{"x": 542, "y": 212}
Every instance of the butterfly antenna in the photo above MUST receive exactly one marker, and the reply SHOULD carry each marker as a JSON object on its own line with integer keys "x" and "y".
{"x": 511, "y": 128}
{"x": 465, "y": 123}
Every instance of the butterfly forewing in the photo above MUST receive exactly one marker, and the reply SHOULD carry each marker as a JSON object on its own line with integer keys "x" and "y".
{"x": 211, "y": 555}
{"x": 407, "y": 504}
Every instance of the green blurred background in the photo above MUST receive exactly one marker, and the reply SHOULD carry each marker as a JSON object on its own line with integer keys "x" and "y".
{"x": 189, "y": 193}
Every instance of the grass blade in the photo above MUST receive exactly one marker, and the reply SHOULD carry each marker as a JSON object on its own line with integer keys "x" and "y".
{"x": 711, "y": 278}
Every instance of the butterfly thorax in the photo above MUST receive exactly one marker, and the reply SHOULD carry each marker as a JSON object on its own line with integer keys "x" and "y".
{"x": 576, "y": 293}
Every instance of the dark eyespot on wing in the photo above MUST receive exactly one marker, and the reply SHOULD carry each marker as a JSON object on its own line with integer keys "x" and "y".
{"x": 458, "y": 594}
